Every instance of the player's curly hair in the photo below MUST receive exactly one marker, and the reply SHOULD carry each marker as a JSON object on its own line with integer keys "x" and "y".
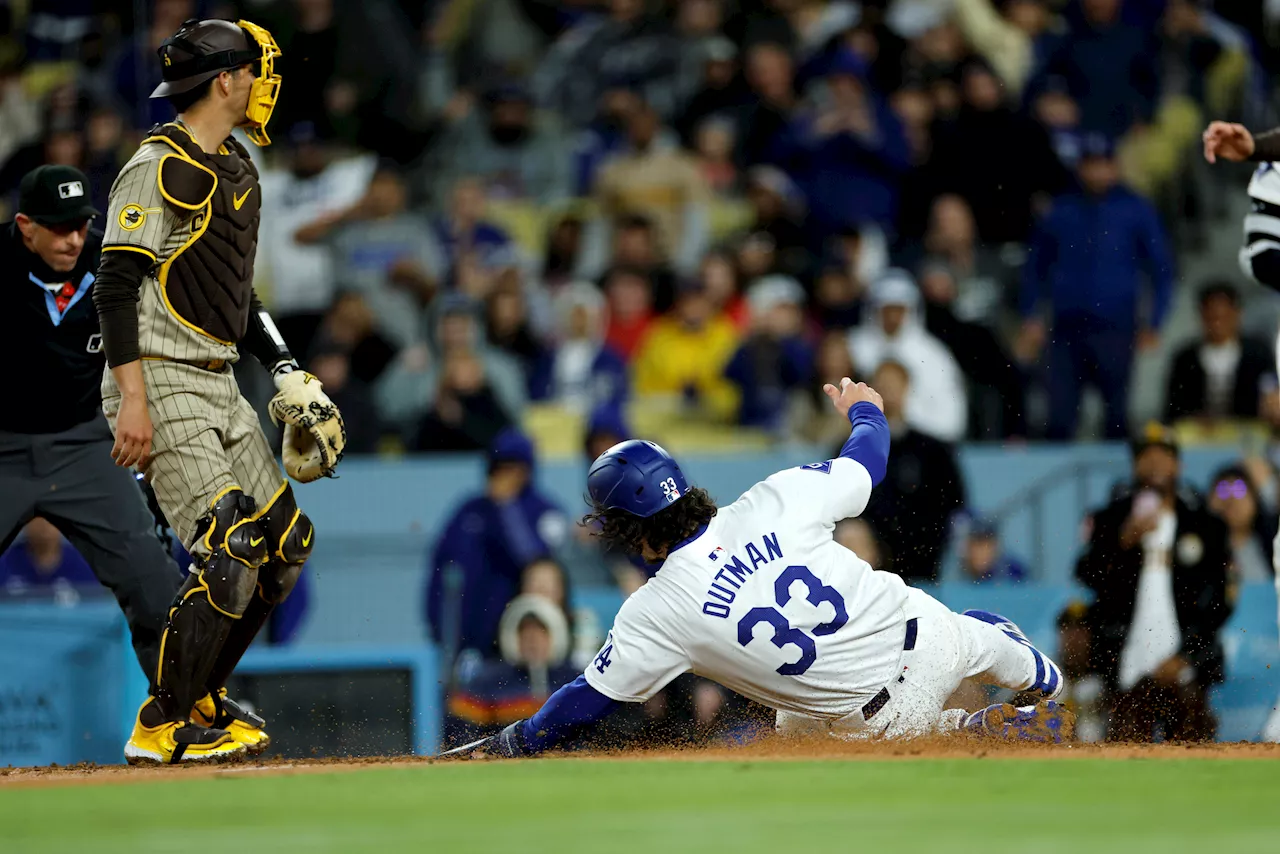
{"x": 628, "y": 533}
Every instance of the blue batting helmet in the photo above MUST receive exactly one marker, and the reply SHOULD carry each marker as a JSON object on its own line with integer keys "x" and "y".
{"x": 636, "y": 476}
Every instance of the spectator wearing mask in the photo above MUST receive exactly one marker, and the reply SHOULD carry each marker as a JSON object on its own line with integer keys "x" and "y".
{"x": 774, "y": 365}
{"x": 984, "y": 559}
{"x": 476, "y": 566}
{"x": 1223, "y": 375}
{"x": 684, "y": 355}
{"x": 625, "y": 48}
{"x": 656, "y": 179}
{"x": 895, "y": 332}
{"x": 997, "y": 159}
{"x": 1158, "y": 563}
{"x": 1089, "y": 260}
{"x": 517, "y": 153}
{"x": 455, "y": 366}
{"x": 387, "y": 254}
{"x": 922, "y": 489}
{"x": 585, "y": 370}
{"x": 1251, "y": 523}
{"x": 848, "y": 156}
{"x": 998, "y": 409}
{"x": 630, "y": 310}
{"x": 41, "y": 562}
{"x": 534, "y": 640}
{"x": 301, "y": 198}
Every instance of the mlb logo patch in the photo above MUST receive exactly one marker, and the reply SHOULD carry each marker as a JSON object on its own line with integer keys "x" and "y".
{"x": 715, "y": 555}
{"x": 70, "y": 190}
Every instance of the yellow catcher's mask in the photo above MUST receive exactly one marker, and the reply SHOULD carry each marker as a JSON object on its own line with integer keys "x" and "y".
{"x": 266, "y": 88}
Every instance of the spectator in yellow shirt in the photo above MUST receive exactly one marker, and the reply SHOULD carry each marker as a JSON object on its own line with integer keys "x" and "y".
{"x": 685, "y": 353}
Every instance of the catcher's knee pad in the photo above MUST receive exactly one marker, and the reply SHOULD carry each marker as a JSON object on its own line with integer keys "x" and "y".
{"x": 290, "y": 536}
{"x": 230, "y": 548}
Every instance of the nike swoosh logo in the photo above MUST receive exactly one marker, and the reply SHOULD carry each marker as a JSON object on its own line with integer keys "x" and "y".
{"x": 306, "y": 541}
{"x": 239, "y": 200}
{"x": 254, "y": 542}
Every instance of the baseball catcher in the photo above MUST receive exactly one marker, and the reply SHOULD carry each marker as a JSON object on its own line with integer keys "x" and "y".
{"x": 175, "y": 300}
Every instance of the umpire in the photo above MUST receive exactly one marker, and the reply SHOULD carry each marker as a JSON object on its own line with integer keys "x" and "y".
{"x": 55, "y": 445}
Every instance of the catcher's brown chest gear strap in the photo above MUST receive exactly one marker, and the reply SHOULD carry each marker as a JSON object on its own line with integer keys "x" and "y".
{"x": 208, "y": 282}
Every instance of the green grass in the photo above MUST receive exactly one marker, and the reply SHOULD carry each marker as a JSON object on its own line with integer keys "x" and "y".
{"x": 885, "y": 807}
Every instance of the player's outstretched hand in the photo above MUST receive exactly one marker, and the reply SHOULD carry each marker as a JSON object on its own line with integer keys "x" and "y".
{"x": 1227, "y": 140}
{"x": 849, "y": 393}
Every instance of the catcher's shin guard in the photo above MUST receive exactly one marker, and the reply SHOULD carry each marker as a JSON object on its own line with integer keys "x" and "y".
{"x": 290, "y": 537}
{"x": 228, "y": 553}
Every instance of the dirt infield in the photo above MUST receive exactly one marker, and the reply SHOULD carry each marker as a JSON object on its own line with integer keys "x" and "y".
{"x": 765, "y": 750}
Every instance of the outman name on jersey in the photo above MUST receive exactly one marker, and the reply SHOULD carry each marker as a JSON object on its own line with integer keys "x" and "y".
{"x": 196, "y": 216}
{"x": 765, "y": 602}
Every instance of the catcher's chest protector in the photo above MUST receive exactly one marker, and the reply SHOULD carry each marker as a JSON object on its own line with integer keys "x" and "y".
{"x": 209, "y": 281}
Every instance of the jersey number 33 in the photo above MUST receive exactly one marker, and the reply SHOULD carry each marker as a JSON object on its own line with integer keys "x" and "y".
{"x": 785, "y": 634}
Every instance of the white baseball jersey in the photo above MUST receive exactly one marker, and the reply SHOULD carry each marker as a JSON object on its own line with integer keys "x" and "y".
{"x": 766, "y": 603}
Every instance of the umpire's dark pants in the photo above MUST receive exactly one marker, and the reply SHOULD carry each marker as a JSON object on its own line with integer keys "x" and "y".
{"x": 70, "y": 479}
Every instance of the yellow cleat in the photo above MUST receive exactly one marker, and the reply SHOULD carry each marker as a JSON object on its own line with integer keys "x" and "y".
{"x": 174, "y": 742}
{"x": 243, "y": 726}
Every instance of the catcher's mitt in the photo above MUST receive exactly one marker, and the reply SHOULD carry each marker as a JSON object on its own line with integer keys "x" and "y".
{"x": 314, "y": 435}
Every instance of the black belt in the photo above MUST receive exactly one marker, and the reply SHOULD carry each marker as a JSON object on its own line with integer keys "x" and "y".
{"x": 876, "y": 703}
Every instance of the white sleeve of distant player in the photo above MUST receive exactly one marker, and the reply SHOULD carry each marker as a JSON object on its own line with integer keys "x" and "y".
{"x": 827, "y": 491}
{"x": 638, "y": 658}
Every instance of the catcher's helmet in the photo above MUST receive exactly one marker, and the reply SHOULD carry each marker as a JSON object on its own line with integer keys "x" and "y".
{"x": 637, "y": 477}
{"x": 201, "y": 50}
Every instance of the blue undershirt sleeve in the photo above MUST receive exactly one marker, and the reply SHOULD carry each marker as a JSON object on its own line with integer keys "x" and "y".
{"x": 574, "y": 705}
{"x": 868, "y": 442}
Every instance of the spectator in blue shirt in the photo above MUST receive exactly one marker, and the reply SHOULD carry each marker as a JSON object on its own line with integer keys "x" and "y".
{"x": 42, "y": 562}
{"x": 849, "y": 155}
{"x": 1110, "y": 65}
{"x": 775, "y": 364}
{"x": 485, "y": 546}
{"x": 984, "y": 558}
{"x": 1088, "y": 261}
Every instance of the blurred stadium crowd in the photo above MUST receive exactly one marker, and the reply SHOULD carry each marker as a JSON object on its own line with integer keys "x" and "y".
{"x": 479, "y": 214}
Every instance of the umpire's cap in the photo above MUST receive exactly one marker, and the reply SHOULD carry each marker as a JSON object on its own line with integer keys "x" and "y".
{"x": 638, "y": 477}
{"x": 201, "y": 50}
{"x": 55, "y": 195}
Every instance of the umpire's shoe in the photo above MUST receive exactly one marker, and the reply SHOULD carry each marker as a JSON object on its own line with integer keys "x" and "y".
{"x": 224, "y": 713}
{"x": 174, "y": 742}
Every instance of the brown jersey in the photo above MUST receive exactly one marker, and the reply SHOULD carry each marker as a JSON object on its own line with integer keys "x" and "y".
{"x": 196, "y": 216}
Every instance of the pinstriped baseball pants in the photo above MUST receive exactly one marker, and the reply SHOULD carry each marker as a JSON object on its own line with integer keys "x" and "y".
{"x": 206, "y": 438}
